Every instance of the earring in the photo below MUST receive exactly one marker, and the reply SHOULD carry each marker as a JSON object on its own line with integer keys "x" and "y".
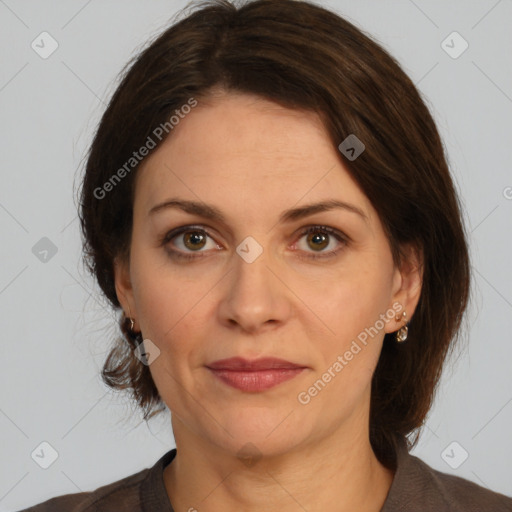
{"x": 132, "y": 323}
{"x": 401, "y": 334}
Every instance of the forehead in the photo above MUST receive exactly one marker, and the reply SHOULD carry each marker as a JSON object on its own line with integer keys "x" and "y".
{"x": 245, "y": 151}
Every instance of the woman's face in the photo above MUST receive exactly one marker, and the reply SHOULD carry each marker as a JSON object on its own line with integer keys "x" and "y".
{"x": 254, "y": 285}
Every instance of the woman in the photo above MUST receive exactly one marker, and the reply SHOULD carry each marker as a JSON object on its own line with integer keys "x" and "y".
{"x": 267, "y": 202}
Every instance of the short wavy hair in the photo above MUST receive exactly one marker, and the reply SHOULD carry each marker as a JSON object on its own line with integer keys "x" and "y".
{"x": 305, "y": 57}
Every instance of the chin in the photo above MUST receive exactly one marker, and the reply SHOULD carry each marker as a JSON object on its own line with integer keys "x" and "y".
{"x": 266, "y": 435}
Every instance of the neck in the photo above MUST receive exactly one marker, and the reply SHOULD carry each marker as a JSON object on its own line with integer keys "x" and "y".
{"x": 206, "y": 477}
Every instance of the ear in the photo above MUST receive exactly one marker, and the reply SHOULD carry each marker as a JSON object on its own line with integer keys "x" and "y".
{"x": 407, "y": 285}
{"x": 124, "y": 289}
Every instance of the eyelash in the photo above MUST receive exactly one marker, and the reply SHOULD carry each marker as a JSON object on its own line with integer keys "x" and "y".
{"x": 310, "y": 229}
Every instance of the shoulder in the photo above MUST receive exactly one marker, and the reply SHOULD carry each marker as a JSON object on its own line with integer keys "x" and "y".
{"x": 465, "y": 495}
{"x": 122, "y": 495}
{"x": 419, "y": 487}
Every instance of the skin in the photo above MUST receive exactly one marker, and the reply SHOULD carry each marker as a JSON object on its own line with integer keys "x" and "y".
{"x": 253, "y": 159}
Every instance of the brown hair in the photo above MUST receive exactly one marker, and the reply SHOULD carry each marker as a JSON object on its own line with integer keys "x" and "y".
{"x": 304, "y": 57}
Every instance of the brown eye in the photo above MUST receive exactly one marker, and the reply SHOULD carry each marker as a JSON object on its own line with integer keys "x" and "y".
{"x": 320, "y": 237}
{"x": 183, "y": 242}
{"x": 318, "y": 240}
{"x": 194, "y": 240}
{"x": 188, "y": 242}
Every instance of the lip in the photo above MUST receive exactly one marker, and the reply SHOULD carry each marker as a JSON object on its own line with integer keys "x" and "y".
{"x": 264, "y": 363}
{"x": 256, "y": 375}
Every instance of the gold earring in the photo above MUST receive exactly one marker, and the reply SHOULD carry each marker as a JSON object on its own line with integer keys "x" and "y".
{"x": 401, "y": 334}
{"x": 129, "y": 317}
{"x": 132, "y": 323}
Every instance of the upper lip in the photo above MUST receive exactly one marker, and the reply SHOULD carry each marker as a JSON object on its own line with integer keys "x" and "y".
{"x": 241, "y": 364}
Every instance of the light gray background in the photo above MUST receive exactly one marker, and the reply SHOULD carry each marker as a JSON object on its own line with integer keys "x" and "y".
{"x": 56, "y": 330}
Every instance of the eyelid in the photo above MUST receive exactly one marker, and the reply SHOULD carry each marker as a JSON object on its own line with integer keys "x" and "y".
{"x": 173, "y": 233}
{"x": 340, "y": 236}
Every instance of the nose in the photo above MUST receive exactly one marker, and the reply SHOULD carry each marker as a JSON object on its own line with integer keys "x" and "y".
{"x": 255, "y": 299}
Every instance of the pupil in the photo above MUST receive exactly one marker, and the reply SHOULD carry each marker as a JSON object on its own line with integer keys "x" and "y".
{"x": 318, "y": 239}
{"x": 193, "y": 238}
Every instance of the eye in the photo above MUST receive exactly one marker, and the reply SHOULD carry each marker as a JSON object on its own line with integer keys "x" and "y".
{"x": 189, "y": 239}
{"x": 320, "y": 237}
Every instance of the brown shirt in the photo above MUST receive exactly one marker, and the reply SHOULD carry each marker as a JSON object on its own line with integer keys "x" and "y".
{"x": 416, "y": 487}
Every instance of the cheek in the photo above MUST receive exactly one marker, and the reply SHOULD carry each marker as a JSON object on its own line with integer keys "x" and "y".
{"x": 168, "y": 307}
{"x": 159, "y": 299}
{"x": 166, "y": 312}
{"x": 347, "y": 360}
{"x": 353, "y": 300}
{"x": 352, "y": 306}
{"x": 172, "y": 311}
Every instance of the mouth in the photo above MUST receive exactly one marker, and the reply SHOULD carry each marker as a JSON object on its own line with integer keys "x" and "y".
{"x": 256, "y": 375}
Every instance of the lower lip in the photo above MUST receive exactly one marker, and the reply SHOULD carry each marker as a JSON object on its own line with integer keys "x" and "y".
{"x": 256, "y": 380}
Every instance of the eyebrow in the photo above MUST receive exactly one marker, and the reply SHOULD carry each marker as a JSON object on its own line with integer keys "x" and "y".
{"x": 213, "y": 213}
